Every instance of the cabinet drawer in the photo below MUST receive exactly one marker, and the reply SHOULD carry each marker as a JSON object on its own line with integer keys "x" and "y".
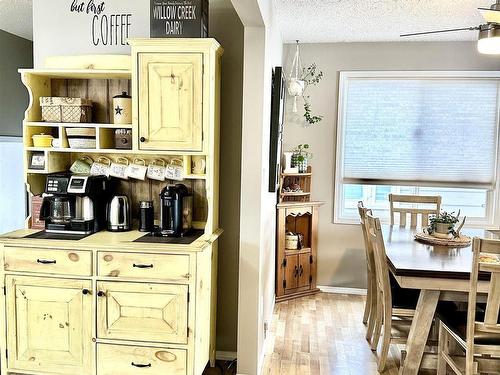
{"x": 143, "y": 265}
{"x": 132, "y": 360}
{"x": 63, "y": 262}
{"x": 142, "y": 312}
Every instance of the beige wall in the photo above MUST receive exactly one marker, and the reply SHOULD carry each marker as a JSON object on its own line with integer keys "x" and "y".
{"x": 226, "y": 27}
{"x": 15, "y": 53}
{"x": 340, "y": 254}
{"x": 263, "y": 51}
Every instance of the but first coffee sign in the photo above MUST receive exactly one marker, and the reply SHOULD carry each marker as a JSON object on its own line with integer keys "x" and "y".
{"x": 179, "y": 19}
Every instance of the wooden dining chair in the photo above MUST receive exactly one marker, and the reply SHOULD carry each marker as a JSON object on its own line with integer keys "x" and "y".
{"x": 477, "y": 331}
{"x": 371, "y": 295}
{"x": 424, "y": 213}
{"x": 385, "y": 311}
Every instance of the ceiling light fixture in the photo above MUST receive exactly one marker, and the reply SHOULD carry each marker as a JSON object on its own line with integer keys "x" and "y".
{"x": 489, "y": 33}
{"x": 489, "y": 39}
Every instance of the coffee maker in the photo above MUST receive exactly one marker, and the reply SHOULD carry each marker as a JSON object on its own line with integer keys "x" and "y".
{"x": 74, "y": 204}
{"x": 176, "y": 210}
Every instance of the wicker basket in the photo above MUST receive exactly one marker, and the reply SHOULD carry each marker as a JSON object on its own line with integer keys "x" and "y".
{"x": 55, "y": 109}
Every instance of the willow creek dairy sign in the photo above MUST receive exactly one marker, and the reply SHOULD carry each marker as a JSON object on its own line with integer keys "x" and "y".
{"x": 105, "y": 28}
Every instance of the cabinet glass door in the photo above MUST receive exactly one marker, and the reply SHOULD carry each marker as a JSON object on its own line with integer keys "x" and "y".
{"x": 170, "y": 101}
{"x": 49, "y": 325}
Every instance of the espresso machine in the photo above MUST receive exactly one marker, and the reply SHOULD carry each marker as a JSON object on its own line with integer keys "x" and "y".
{"x": 74, "y": 204}
{"x": 176, "y": 210}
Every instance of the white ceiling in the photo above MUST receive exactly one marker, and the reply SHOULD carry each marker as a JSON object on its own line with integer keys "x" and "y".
{"x": 16, "y": 17}
{"x": 316, "y": 21}
{"x": 329, "y": 20}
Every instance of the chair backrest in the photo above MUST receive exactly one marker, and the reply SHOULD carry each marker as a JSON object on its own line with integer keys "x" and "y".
{"x": 486, "y": 260}
{"x": 364, "y": 227}
{"x": 433, "y": 200}
{"x": 380, "y": 259}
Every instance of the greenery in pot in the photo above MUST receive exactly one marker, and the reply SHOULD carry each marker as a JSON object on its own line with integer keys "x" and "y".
{"x": 444, "y": 220}
{"x": 311, "y": 77}
{"x": 301, "y": 157}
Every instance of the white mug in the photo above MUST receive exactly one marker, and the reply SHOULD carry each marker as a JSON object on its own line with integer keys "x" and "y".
{"x": 174, "y": 170}
{"x": 100, "y": 168}
{"x": 119, "y": 168}
{"x": 137, "y": 169}
{"x": 156, "y": 170}
{"x": 198, "y": 164}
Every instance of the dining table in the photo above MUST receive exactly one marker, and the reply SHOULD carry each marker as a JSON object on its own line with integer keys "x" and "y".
{"x": 439, "y": 272}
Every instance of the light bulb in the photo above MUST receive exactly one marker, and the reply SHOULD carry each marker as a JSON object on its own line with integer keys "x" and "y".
{"x": 489, "y": 46}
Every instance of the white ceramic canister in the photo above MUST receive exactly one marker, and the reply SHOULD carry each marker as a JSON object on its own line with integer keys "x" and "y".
{"x": 122, "y": 109}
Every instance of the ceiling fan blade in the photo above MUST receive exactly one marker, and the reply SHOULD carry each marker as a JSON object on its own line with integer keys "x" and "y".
{"x": 490, "y": 15}
{"x": 442, "y": 31}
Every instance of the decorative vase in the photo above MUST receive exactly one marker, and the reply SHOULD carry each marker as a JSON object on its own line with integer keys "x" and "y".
{"x": 443, "y": 230}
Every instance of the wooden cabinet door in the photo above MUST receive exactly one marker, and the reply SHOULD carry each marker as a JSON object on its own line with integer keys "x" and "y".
{"x": 49, "y": 325}
{"x": 304, "y": 270}
{"x": 291, "y": 272}
{"x": 171, "y": 101}
{"x": 142, "y": 312}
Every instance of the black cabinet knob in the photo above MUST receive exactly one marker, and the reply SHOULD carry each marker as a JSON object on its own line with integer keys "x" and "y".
{"x": 142, "y": 139}
{"x": 100, "y": 293}
{"x": 85, "y": 291}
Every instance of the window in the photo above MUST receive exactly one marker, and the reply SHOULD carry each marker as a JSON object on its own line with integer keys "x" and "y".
{"x": 425, "y": 133}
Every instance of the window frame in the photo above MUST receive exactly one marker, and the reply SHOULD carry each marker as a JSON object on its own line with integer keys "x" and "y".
{"x": 492, "y": 219}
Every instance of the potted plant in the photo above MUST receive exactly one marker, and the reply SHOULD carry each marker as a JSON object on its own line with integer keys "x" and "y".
{"x": 443, "y": 225}
{"x": 301, "y": 157}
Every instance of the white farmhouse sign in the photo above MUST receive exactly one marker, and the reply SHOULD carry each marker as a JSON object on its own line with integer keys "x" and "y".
{"x": 78, "y": 27}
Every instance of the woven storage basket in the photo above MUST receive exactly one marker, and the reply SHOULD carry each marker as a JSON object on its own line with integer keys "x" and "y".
{"x": 55, "y": 109}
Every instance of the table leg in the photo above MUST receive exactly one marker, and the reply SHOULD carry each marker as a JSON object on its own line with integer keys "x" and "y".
{"x": 419, "y": 331}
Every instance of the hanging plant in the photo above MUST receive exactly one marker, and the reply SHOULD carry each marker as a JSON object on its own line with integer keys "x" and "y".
{"x": 298, "y": 81}
{"x": 311, "y": 77}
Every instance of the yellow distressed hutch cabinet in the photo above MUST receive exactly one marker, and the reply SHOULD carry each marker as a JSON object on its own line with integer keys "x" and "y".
{"x": 106, "y": 304}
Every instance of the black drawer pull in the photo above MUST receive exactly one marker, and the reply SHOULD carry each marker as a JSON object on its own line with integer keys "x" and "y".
{"x": 140, "y": 365}
{"x": 143, "y": 265}
{"x": 45, "y": 261}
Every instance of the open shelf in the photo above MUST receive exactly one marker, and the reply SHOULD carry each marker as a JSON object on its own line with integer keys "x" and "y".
{"x": 78, "y": 125}
{"x": 304, "y": 250}
{"x": 296, "y": 174}
{"x": 79, "y": 73}
{"x": 80, "y": 150}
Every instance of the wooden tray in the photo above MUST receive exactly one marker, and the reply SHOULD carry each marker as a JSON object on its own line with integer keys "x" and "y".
{"x": 461, "y": 241}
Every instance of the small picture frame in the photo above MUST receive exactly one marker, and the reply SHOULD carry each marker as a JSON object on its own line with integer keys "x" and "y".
{"x": 37, "y": 161}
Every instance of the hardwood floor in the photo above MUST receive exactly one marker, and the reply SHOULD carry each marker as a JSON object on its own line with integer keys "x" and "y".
{"x": 322, "y": 335}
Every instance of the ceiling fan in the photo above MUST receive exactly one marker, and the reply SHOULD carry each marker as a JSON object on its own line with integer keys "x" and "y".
{"x": 489, "y": 33}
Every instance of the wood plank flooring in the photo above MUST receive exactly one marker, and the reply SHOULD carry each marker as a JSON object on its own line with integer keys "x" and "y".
{"x": 322, "y": 335}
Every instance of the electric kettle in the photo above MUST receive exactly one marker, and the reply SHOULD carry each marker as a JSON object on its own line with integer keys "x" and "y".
{"x": 118, "y": 214}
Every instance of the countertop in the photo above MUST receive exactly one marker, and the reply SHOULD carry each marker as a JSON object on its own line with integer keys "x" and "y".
{"x": 105, "y": 240}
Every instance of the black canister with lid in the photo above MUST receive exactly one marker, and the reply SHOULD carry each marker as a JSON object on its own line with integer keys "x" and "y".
{"x": 146, "y": 216}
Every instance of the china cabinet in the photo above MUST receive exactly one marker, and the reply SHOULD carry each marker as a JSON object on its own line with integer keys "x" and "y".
{"x": 111, "y": 303}
{"x": 296, "y": 249}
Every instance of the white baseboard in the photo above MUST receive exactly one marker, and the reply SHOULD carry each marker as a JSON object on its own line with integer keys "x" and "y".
{"x": 339, "y": 290}
{"x": 225, "y": 356}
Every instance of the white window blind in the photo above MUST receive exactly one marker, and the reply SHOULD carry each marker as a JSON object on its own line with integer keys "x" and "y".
{"x": 418, "y": 130}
